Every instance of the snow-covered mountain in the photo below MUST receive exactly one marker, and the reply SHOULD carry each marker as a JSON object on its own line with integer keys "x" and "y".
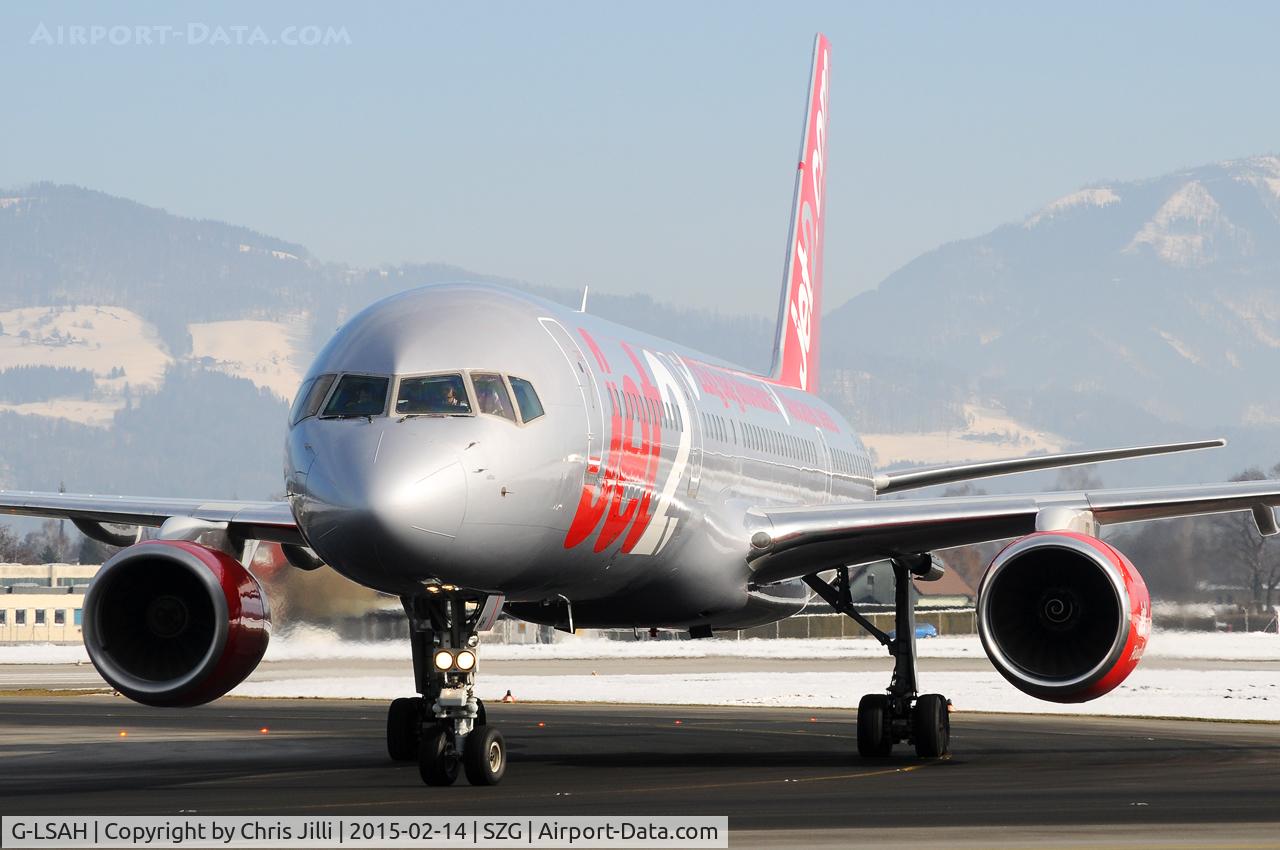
{"x": 145, "y": 352}
{"x": 1123, "y": 311}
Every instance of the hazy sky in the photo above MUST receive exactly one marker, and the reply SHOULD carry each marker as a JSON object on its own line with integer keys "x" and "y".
{"x": 635, "y": 147}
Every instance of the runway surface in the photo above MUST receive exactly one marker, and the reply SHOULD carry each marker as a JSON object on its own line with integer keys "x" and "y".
{"x": 780, "y": 775}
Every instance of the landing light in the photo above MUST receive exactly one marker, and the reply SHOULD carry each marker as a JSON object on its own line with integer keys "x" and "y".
{"x": 444, "y": 659}
{"x": 466, "y": 660}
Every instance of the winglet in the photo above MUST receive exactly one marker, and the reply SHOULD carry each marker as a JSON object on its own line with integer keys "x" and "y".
{"x": 910, "y": 479}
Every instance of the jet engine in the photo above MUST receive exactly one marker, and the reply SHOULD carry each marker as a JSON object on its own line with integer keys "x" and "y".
{"x": 172, "y": 623}
{"x": 1063, "y": 616}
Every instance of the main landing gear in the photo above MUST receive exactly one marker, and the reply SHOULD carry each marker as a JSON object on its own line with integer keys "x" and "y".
{"x": 445, "y": 729}
{"x": 900, "y": 714}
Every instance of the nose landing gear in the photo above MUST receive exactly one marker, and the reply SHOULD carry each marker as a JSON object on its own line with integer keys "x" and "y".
{"x": 445, "y": 729}
{"x": 900, "y": 714}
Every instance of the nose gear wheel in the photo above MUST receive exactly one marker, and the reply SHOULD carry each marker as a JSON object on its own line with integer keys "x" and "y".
{"x": 445, "y": 729}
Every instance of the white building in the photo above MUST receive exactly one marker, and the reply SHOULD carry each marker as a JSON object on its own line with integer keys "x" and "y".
{"x": 43, "y": 603}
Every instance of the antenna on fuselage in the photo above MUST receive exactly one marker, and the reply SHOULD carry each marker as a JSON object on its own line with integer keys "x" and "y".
{"x": 585, "y": 290}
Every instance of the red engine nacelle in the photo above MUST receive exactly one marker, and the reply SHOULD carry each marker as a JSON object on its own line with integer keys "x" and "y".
{"x": 171, "y": 623}
{"x": 1063, "y": 616}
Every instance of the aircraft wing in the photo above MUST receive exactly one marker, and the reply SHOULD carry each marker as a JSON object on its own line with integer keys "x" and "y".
{"x": 796, "y": 541}
{"x": 907, "y": 479}
{"x": 251, "y": 520}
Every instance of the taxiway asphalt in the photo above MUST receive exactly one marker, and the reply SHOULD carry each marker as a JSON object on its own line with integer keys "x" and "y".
{"x": 782, "y": 776}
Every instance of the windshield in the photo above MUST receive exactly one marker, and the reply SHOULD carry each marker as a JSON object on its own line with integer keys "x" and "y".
{"x": 492, "y": 391}
{"x": 433, "y": 395}
{"x": 526, "y": 399}
{"x": 358, "y": 395}
{"x": 310, "y": 397}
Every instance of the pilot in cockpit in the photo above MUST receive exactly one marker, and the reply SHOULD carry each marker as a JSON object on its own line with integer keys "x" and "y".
{"x": 489, "y": 402}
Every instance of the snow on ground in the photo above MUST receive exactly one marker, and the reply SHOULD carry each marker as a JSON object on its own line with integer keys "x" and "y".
{"x": 989, "y": 435}
{"x": 307, "y": 643}
{"x": 83, "y": 337}
{"x": 96, "y": 412}
{"x": 1260, "y": 312}
{"x": 1221, "y": 694}
{"x": 42, "y": 653}
{"x": 1224, "y": 694}
{"x": 1186, "y": 228}
{"x": 1184, "y": 351}
{"x": 261, "y": 351}
{"x": 1084, "y": 198}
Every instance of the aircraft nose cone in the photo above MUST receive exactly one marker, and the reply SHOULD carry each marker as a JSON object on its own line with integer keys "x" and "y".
{"x": 386, "y": 513}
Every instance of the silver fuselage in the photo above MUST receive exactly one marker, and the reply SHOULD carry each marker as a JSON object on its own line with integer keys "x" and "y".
{"x": 627, "y": 499}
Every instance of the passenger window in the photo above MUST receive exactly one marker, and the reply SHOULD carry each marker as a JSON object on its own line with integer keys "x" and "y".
{"x": 526, "y": 399}
{"x": 310, "y": 397}
{"x": 358, "y": 395}
{"x": 433, "y": 395}
{"x": 492, "y": 391}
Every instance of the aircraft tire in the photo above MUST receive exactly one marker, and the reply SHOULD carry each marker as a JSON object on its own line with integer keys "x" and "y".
{"x": 873, "y": 726}
{"x": 436, "y": 764}
{"x": 485, "y": 756}
{"x": 404, "y": 727}
{"x": 931, "y": 726}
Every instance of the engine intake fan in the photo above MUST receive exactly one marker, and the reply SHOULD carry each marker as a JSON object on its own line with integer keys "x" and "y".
{"x": 1063, "y": 616}
{"x": 172, "y": 623}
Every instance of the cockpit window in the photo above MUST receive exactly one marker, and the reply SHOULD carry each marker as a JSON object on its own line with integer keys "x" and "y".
{"x": 358, "y": 395}
{"x": 310, "y": 397}
{"x": 493, "y": 398}
{"x": 526, "y": 399}
{"x": 433, "y": 395}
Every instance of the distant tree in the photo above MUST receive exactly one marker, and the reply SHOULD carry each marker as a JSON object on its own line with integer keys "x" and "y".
{"x": 1253, "y": 559}
{"x": 969, "y": 562}
{"x": 21, "y": 384}
{"x": 1170, "y": 554}
{"x": 11, "y": 548}
{"x": 1072, "y": 478}
{"x": 49, "y": 545}
{"x": 92, "y": 552}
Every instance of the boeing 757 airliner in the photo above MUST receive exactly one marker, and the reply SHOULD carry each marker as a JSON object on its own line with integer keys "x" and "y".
{"x": 473, "y": 449}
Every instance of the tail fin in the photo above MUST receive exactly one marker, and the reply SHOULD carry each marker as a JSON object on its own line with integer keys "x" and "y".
{"x": 795, "y": 353}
